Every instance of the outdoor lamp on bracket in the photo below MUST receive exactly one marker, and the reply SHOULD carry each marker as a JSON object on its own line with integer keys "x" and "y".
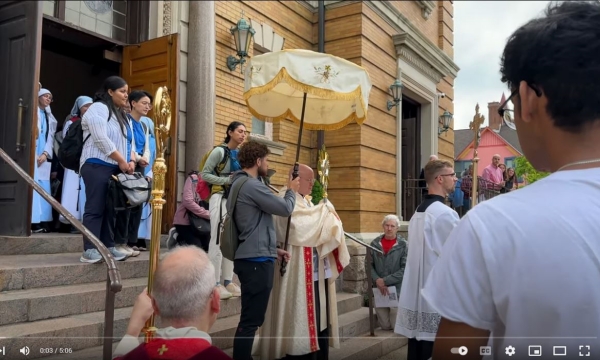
{"x": 446, "y": 119}
{"x": 242, "y": 35}
{"x": 396, "y": 92}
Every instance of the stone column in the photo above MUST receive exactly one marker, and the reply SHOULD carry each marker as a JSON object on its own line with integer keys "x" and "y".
{"x": 201, "y": 87}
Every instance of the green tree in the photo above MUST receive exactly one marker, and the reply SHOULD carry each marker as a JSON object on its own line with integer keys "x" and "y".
{"x": 317, "y": 192}
{"x": 523, "y": 168}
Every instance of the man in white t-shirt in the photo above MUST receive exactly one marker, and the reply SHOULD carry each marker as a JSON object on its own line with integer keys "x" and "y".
{"x": 428, "y": 230}
{"x": 521, "y": 272}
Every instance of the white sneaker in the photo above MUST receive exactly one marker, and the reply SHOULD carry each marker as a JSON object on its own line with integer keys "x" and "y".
{"x": 224, "y": 294}
{"x": 125, "y": 249}
{"x": 234, "y": 289}
{"x": 134, "y": 252}
{"x": 117, "y": 254}
{"x": 172, "y": 240}
{"x": 91, "y": 256}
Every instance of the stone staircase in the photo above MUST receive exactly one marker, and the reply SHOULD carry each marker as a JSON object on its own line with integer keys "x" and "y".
{"x": 49, "y": 300}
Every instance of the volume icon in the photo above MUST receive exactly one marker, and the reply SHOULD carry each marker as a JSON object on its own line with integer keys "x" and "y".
{"x": 24, "y": 350}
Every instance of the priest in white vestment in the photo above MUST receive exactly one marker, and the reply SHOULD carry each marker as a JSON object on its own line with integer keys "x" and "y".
{"x": 297, "y": 323}
{"x": 428, "y": 230}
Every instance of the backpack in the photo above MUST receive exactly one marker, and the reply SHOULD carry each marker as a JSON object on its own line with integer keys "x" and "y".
{"x": 204, "y": 189}
{"x": 69, "y": 152}
{"x": 229, "y": 234}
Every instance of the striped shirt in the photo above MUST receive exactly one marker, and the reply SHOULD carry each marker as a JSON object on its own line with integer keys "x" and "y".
{"x": 106, "y": 137}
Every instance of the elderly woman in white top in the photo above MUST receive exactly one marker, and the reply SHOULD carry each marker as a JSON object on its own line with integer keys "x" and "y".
{"x": 41, "y": 211}
{"x": 104, "y": 155}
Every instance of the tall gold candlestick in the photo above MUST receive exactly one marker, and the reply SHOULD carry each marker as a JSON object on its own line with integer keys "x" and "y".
{"x": 475, "y": 125}
{"x": 162, "y": 119}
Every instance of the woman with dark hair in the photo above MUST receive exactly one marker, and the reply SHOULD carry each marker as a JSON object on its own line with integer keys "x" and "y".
{"x": 104, "y": 154}
{"x": 138, "y": 144}
{"x": 72, "y": 184}
{"x": 219, "y": 166}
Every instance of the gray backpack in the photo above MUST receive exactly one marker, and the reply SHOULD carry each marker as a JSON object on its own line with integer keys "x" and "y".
{"x": 228, "y": 232}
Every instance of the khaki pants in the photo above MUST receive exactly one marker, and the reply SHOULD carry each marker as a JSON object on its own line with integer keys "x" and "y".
{"x": 385, "y": 317}
{"x": 222, "y": 266}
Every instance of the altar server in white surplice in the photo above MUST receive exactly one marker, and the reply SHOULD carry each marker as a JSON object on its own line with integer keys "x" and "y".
{"x": 296, "y": 322}
{"x": 41, "y": 211}
{"x": 428, "y": 230}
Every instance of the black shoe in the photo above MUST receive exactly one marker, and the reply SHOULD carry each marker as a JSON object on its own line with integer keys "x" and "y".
{"x": 38, "y": 229}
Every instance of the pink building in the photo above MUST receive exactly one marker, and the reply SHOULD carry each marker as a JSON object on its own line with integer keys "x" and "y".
{"x": 499, "y": 137}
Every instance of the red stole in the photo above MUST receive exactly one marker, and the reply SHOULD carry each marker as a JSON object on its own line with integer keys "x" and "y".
{"x": 175, "y": 349}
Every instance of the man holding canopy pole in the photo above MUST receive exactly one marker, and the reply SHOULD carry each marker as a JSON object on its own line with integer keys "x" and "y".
{"x": 298, "y": 321}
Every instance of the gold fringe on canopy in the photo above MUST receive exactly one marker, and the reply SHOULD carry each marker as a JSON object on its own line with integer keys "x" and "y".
{"x": 284, "y": 76}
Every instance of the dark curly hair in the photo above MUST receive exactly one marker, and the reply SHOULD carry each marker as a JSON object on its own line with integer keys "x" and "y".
{"x": 250, "y": 152}
{"x": 559, "y": 54}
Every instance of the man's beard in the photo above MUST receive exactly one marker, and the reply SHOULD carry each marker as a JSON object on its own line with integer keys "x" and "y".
{"x": 262, "y": 173}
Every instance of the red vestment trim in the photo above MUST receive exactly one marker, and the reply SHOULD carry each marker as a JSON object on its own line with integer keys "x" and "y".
{"x": 338, "y": 264}
{"x": 310, "y": 299}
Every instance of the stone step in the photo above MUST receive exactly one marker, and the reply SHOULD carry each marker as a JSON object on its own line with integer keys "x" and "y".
{"x": 46, "y": 303}
{"x": 84, "y": 331}
{"x": 350, "y": 324}
{"x": 385, "y": 345}
{"x": 53, "y": 243}
{"x": 367, "y": 347}
{"x": 21, "y": 272}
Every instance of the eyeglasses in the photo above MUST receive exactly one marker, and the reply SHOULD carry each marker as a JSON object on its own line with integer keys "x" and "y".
{"x": 502, "y": 110}
{"x": 453, "y": 175}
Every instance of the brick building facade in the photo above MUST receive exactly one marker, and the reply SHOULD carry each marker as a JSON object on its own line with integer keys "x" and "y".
{"x": 184, "y": 45}
{"x": 409, "y": 40}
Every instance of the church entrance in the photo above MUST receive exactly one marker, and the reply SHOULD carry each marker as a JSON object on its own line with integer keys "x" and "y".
{"x": 411, "y": 155}
{"x": 71, "y": 47}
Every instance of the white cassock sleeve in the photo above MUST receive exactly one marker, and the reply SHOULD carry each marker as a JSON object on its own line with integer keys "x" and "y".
{"x": 459, "y": 286}
{"x": 441, "y": 229}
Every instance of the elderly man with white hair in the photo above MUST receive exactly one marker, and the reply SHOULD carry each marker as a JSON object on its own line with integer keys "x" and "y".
{"x": 387, "y": 270}
{"x": 186, "y": 300}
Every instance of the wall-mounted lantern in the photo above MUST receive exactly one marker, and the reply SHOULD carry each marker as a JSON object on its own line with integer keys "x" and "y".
{"x": 242, "y": 35}
{"x": 396, "y": 92}
{"x": 445, "y": 119}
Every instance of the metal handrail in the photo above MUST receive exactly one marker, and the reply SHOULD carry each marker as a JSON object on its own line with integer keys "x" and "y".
{"x": 113, "y": 280}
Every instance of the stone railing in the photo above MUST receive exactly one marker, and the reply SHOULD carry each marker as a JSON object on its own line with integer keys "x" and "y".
{"x": 354, "y": 277}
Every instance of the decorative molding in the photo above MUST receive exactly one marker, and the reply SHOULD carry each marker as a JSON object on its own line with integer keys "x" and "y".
{"x": 410, "y": 50}
{"x": 310, "y": 5}
{"x": 166, "y": 17}
{"x": 427, "y": 7}
{"x": 276, "y": 148}
{"x": 334, "y": 4}
{"x": 266, "y": 38}
{"x": 416, "y": 40}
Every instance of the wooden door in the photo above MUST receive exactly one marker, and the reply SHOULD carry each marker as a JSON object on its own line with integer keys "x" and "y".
{"x": 20, "y": 46}
{"x": 410, "y": 167}
{"x": 148, "y": 66}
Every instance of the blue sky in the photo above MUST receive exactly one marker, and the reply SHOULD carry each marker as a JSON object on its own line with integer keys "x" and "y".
{"x": 481, "y": 29}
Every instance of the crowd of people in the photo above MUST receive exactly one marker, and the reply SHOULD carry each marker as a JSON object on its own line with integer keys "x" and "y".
{"x": 494, "y": 278}
{"x": 119, "y": 137}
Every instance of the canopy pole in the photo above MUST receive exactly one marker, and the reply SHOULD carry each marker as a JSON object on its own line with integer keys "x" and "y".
{"x": 282, "y": 270}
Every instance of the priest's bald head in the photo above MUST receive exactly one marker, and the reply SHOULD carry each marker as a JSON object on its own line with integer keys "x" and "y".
{"x": 307, "y": 179}
{"x": 440, "y": 177}
{"x": 184, "y": 292}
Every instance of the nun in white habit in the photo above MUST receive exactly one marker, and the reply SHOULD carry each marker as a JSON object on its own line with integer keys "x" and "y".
{"x": 41, "y": 211}
{"x": 73, "y": 190}
{"x": 428, "y": 230}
